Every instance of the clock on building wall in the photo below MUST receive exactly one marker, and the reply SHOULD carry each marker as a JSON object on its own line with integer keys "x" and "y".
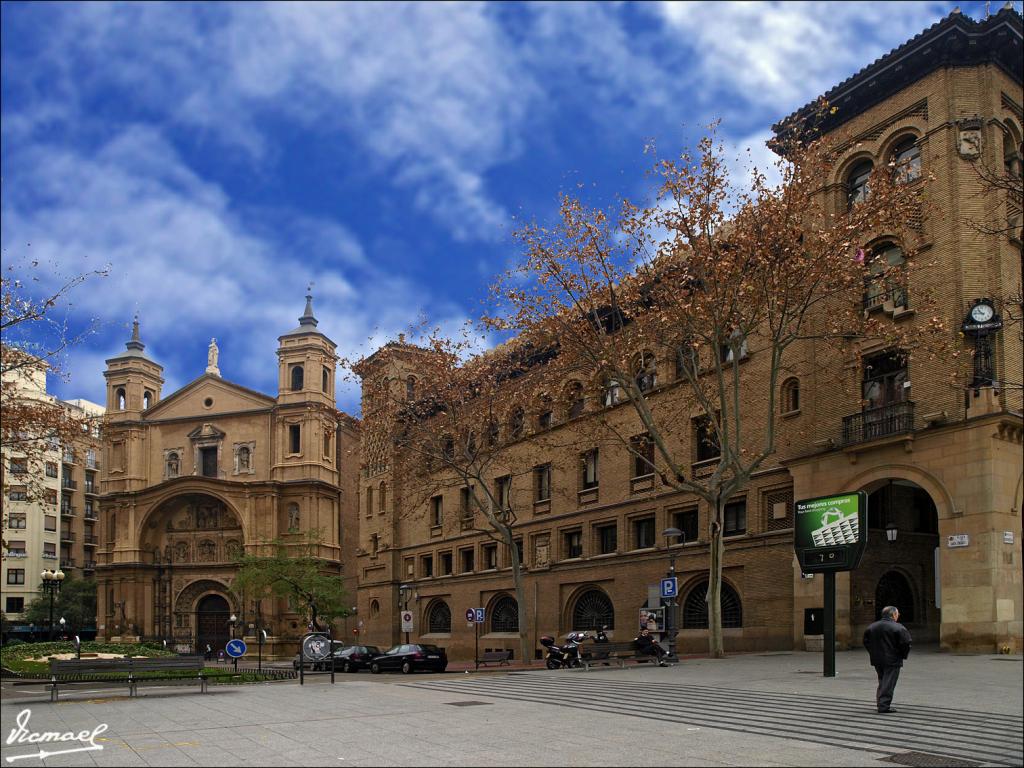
{"x": 982, "y": 318}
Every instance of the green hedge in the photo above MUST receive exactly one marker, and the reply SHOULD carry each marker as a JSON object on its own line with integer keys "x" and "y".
{"x": 16, "y": 657}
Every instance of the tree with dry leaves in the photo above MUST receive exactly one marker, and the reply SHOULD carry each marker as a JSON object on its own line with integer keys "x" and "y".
{"x": 35, "y": 335}
{"x": 735, "y": 284}
{"x": 444, "y": 434}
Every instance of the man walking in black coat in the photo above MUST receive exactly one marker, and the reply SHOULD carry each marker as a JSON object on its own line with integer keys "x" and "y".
{"x": 888, "y": 644}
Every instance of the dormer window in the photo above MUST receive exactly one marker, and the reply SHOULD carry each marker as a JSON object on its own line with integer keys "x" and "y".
{"x": 857, "y": 183}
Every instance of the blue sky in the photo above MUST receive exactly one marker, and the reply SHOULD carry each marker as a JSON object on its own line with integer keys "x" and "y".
{"x": 221, "y": 156}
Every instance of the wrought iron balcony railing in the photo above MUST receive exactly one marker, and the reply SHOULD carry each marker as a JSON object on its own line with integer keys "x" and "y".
{"x": 887, "y": 295}
{"x": 871, "y": 424}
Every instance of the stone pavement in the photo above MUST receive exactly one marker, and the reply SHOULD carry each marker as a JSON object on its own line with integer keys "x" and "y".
{"x": 767, "y": 709}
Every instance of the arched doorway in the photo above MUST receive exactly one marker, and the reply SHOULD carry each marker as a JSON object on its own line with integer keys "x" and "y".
{"x": 903, "y": 572}
{"x": 212, "y": 615}
{"x": 894, "y": 589}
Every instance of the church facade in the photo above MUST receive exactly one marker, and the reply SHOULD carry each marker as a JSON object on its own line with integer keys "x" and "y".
{"x": 191, "y": 480}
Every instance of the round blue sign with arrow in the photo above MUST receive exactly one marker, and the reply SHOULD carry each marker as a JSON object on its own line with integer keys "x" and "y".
{"x": 235, "y": 648}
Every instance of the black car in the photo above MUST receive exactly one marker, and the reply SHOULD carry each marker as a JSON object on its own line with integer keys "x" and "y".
{"x": 336, "y": 647}
{"x": 410, "y": 657}
{"x": 355, "y": 657}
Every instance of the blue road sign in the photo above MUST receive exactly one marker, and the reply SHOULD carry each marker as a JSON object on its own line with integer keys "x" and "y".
{"x": 471, "y": 615}
{"x": 479, "y": 615}
{"x": 235, "y": 648}
{"x": 669, "y": 587}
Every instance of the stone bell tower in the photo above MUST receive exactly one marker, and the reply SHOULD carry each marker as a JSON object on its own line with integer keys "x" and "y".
{"x": 133, "y": 387}
{"x": 305, "y": 417}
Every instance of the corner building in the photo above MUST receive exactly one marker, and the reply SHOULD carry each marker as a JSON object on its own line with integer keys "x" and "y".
{"x": 191, "y": 480}
{"x": 940, "y": 462}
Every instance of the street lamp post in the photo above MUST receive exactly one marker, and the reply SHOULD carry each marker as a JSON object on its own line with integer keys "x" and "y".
{"x": 670, "y": 618}
{"x": 63, "y": 624}
{"x": 403, "y": 596}
{"x": 231, "y": 622}
{"x": 51, "y": 585}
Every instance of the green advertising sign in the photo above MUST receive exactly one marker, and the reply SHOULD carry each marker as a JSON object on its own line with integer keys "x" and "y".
{"x": 831, "y": 532}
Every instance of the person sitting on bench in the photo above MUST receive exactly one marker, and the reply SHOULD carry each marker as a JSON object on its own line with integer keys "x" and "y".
{"x": 649, "y": 646}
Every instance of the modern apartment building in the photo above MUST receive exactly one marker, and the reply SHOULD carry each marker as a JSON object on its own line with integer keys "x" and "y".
{"x": 50, "y": 504}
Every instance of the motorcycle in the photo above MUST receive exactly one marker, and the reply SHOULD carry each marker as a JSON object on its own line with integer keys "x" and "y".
{"x": 566, "y": 656}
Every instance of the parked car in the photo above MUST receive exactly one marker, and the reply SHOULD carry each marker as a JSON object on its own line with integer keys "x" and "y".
{"x": 318, "y": 666}
{"x": 410, "y": 657}
{"x": 355, "y": 657}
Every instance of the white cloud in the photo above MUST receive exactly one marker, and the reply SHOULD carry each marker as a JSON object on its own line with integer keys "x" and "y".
{"x": 431, "y": 95}
{"x": 190, "y": 263}
{"x": 782, "y": 54}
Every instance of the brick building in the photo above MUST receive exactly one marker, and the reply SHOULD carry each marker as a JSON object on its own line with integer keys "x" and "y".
{"x": 941, "y": 463}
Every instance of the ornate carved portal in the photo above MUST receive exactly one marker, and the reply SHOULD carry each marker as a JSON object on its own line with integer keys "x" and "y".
{"x": 193, "y": 541}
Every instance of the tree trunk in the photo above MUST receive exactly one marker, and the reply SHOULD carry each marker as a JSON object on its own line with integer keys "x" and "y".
{"x": 716, "y": 646}
{"x": 517, "y": 579}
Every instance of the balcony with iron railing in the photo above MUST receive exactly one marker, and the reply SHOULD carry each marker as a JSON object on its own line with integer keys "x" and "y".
{"x": 875, "y": 423}
{"x": 90, "y": 488}
{"x": 69, "y": 483}
{"x": 67, "y": 562}
{"x": 68, "y": 511}
{"x": 69, "y": 457}
{"x": 889, "y": 295}
{"x": 91, "y": 540}
{"x": 67, "y": 536}
{"x": 92, "y": 515}
{"x": 89, "y": 565}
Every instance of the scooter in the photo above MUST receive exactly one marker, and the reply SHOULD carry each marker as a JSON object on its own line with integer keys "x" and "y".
{"x": 565, "y": 656}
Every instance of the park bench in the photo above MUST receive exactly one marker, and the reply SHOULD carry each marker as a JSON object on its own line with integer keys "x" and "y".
{"x": 495, "y": 657}
{"x": 128, "y": 672}
{"x": 605, "y": 653}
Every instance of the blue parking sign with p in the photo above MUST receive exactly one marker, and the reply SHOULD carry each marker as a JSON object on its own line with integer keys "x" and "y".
{"x": 669, "y": 587}
{"x": 479, "y": 615}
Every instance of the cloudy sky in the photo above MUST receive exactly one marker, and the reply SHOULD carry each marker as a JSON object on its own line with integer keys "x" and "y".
{"x": 221, "y": 156}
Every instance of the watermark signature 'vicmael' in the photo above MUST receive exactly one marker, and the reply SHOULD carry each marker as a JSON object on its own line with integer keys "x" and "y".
{"x": 22, "y": 735}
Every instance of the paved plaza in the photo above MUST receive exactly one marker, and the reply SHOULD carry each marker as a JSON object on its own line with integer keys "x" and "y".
{"x": 765, "y": 709}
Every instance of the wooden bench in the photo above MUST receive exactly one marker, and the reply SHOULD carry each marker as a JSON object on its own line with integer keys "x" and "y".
{"x": 605, "y": 653}
{"x": 128, "y": 672}
{"x": 495, "y": 657}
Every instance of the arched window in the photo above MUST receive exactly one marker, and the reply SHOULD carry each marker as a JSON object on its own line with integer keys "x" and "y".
{"x": 325, "y": 380}
{"x": 695, "y": 608}
{"x": 516, "y": 423}
{"x": 612, "y": 392}
{"x": 173, "y": 464}
{"x": 857, "y": 187}
{"x": 410, "y": 388}
{"x": 505, "y": 615}
{"x": 297, "y": 377}
{"x": 906, "y": 160}
{"x": 382, "y": 497}
{"x": 894, "y": 589}
{"x": 374, "y": 608}
{"x": 645, "y": 373}
{"x": 147, "y": 399}
{"x": 439, "y": 618}
{"x": 293, "y": 517}
{"x": 885, "y": 281}
{"x": 593, "y": 610}
{"x": 120, "y": 399}
{"x": 575, "y": 400}
{"x": 790, "y": 395}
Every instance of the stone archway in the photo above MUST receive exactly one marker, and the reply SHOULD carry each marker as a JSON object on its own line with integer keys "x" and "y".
{"x": 903, "y": 572}
{"x": 212, "y": 629}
